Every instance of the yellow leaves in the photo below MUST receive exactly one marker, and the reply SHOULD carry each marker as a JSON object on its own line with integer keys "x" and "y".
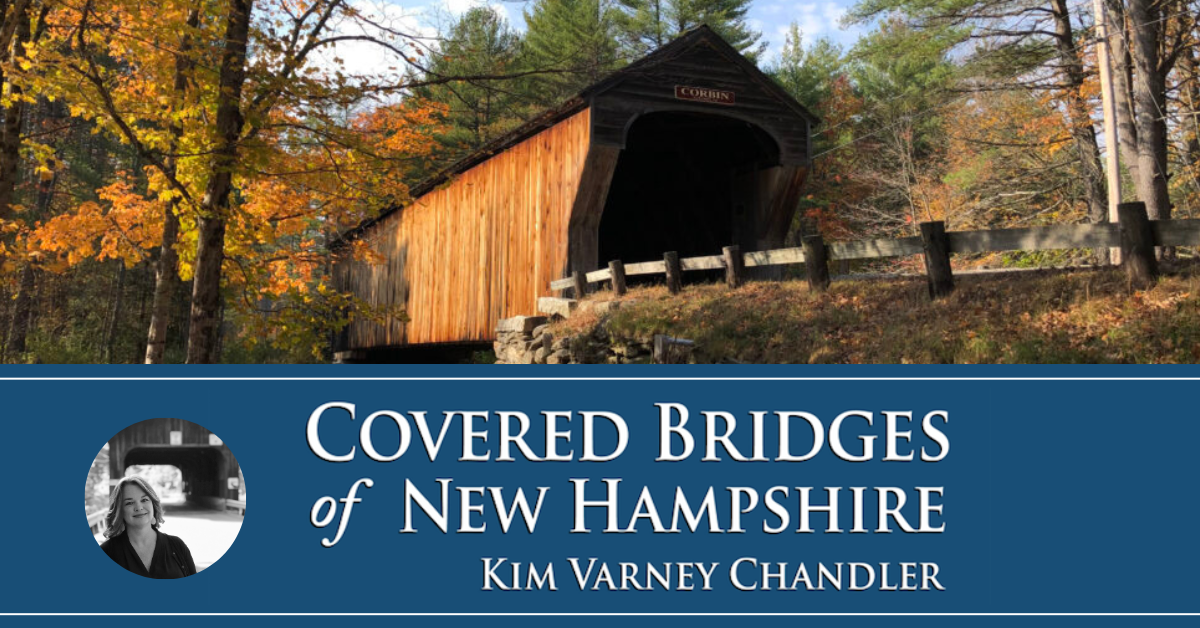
{"x": 362, "y": 252}
{"x": 304, "y": 175}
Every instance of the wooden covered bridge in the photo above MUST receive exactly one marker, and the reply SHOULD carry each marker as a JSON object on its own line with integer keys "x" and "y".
{"x": 211, "y": 475}
{"x": 688, "y": 149}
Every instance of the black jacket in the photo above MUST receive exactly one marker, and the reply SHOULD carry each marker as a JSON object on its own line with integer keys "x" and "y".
{"x": 172, "y": 558}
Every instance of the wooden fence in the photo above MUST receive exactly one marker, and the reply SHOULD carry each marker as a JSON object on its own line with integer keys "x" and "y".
{"x": 1134, "y": 234}
{"x": 96, "y": 521}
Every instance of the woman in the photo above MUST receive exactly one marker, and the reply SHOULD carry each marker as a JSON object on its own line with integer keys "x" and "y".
{"x": 134, "y": 542}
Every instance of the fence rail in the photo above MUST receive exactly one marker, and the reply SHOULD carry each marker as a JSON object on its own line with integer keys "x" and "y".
{"x": 1135, "y": 235}
{"x": 96, "y": 521}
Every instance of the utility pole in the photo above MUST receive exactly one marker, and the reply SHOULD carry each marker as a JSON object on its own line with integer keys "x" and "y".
{"x": 1111, "y": 143}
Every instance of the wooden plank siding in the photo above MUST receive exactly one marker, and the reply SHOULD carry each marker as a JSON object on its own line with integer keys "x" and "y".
{"x": 483, "y": 247}
{"x": 485, "y": 238}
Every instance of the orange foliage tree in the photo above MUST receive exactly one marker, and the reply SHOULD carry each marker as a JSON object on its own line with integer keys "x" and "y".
{"x": 254, "y": 163}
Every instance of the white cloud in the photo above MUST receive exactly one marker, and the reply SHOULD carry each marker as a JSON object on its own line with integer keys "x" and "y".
{"x": 833, "y": 13}
{"x": 815, "y": 19}
{"x": 458, "y": 7}
{"x": 404, "y": 28}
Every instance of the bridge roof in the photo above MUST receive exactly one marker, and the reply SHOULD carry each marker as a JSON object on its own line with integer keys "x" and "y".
{"x": 699, "y": 35}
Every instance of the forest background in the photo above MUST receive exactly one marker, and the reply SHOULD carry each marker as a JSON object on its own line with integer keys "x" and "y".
{"x": 172, "y": 174}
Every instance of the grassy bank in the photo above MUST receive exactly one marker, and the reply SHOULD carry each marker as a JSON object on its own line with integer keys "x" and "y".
{"x": 1044, "y": 317}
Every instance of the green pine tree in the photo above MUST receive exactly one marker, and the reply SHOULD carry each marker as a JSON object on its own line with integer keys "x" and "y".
{"x": 570, "y": 44}
{"x": 478, "y": 56}
{"x": 808, "y": 75}
{"x": 648, "y": 24}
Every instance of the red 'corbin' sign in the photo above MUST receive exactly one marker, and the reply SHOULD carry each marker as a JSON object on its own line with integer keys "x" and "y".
{"x": 704, "y": 94}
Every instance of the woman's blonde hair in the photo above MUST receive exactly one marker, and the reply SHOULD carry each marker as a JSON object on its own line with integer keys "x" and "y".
{"x": 113, "y": 521}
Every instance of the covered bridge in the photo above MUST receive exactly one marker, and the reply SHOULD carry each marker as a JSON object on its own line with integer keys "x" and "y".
{"x": 211, "y": 474}
{"x": 688, "y": 149}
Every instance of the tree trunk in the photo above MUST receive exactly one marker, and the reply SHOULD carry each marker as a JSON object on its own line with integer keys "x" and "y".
{"x": 5, "y": 319}
{"x": 210, "y": 246}
{"x": 168, "y": 259}
{"x": 145, "y": 294}
{"x": 22, "y": 312}
{"x": 14, "y": 114}
{"x": 1150, "y": 99}
{"x": 1122, "y": 65}
{"x": 206, "y": 289}
{"x": 1189, "y": 69}
{"x": 165, "y": 279}
{"x": 114, "y": 321}
{"x": 1080, "y": 120}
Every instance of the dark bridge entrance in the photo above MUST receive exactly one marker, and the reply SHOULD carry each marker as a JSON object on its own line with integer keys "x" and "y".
{"x": 210, "y": 472}
{"x": 687, "y": 182}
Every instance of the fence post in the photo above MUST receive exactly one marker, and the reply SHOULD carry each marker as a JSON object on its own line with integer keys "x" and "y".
{"x": 661, "y": 349}
{"x": 674, "y": 272}
{"x": 816, "y": 262}
{"x": 664, "y": 345}
{"x": 937, "y": 258}
{"x": 1137, "y": 245}
{"x": 616, "y": 268}
{"x": 580, "y": 285}
{"x": 735, "y": 265}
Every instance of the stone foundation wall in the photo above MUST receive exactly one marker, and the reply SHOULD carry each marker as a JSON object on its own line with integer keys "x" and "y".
{"x": 527, "y": 339}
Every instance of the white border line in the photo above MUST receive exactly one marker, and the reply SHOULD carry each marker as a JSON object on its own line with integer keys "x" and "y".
{"x": 597, "y": 378}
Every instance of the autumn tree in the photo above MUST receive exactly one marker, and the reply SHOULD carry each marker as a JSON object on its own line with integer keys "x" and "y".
{"x": 1010, "y": 162}
{"x": 901, "y": 73}
{"x": 167, "y": 268}
{"x": 15, "y": 33}
{"x": 819, "y": 77}
{"x": 1020, "y": 44}
{"x": 1189, "y": 128}
{"x": 259, "y": 121}
{"x": 23, "y": 26}
{"x": 1148, "y": 39}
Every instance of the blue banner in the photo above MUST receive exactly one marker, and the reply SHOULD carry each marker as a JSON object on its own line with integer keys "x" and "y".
{"x": 629, "y": 494}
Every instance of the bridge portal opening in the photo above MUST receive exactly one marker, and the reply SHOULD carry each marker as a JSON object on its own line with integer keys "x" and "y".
{"x": 685, "y": 182}
{"x": 201, "y": 469}
{"x": 167, "y": 479}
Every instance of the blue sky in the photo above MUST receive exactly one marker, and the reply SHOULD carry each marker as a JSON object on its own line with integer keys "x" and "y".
{"x": 816, "y": 19}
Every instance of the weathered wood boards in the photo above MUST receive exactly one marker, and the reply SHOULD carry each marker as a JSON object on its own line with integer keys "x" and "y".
{"x": 870, "y": 249}
{"x": 1156, "y": 233}
{"x": 1035, "y": 238}
{"x": 487, "y": 238}
{"x": 936, "y": 249}
{"x": 701, "y": 59}
{"x": 481, "y": 248}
